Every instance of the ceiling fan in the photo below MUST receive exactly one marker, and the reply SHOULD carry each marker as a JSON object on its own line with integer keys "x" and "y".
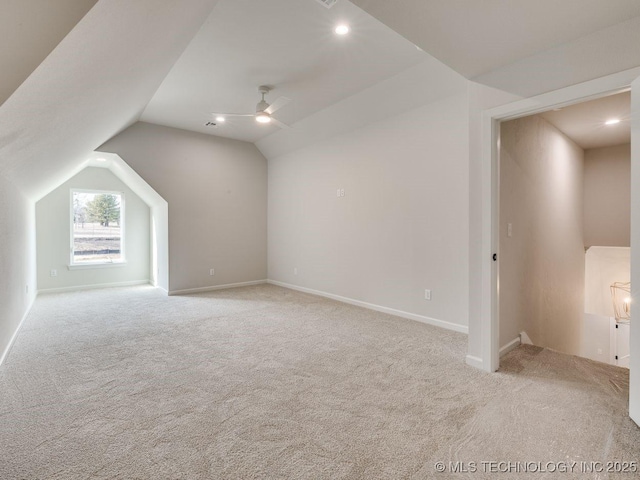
{"x": 264, "y": 110}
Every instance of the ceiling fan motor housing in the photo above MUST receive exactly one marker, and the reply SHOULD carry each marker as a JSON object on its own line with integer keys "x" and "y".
{"x": 261, "y": 106}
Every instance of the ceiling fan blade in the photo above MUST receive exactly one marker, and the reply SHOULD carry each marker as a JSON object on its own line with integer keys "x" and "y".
{"x": 233, "y": 114}
{"x": 279, "y": 103}
{"x": 280, "y": 124}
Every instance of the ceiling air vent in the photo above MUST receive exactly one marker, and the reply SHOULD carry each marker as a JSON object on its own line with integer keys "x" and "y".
{"x": 327, "y": 3}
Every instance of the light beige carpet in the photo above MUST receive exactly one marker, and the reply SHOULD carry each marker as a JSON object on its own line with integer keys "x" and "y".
{"x": 264, "y": 382}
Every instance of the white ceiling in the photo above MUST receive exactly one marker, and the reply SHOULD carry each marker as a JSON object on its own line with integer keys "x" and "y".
{"x": 29, "y": 31}
{"x": 153, "y": 59}
{"x": 474, "y": 37}
{"x": 95, "y": 83}
{"x": 425, "y": 83}
{"x": 584, "y": 122}
{"x": 288, "y": 44}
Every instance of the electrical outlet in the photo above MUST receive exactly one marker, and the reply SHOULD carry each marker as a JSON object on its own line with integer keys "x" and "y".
{"x": 53, "y": 273}
{"x": 427, "y": 294}
{"x": 509, "y": 229}
{"x": 212, "y": 272}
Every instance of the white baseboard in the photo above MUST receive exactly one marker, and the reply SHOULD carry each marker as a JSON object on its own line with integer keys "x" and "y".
{"x": 216, "y": 287}
{"x": 524, "y": 338}
{"x": 15, "y": 334}
{"x": 378, "y": 308}
{"x": 510, "y": 346}
{"x": 93, "y": 287}
{"x": 474, "y": 361}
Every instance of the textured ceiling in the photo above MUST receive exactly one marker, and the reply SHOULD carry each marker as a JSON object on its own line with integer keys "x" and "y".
{"x": 288, "y": 44}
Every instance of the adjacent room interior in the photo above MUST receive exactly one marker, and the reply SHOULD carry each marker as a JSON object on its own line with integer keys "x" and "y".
{"x": 565, "y": 199}
{"x": 259, "y": 239}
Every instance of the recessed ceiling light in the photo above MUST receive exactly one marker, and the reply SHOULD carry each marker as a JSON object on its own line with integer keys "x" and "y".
{"x": 101, "y": 159}
{"x": 342, "y": 29}
{"x": 613, "y": 121}
{"x": 220, "y": 119}
{"x": 263, "y": 118}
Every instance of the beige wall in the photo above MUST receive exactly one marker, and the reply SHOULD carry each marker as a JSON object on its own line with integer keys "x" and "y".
{"x": 402, "y": 225}
{"x": 607, "y": 196}
{"x": 53, "y": 235}
{"x": 541, "y": 269}
{"x": 216, "y": 189}
{"x": 17, "y": 260}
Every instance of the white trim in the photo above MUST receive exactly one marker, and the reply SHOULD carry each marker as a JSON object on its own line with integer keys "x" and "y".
{"x": 95, "y": 286}
{"x": 216, "y": 287}
{"x": 121, "y": 223}
{"x": 489, "y": 326}
{"x": 524, "y": 338}
{"x": 164, "y": 290}
{"x": 510, "y": 346}
{"x": 378, "y": 308}
{"x": 86, "y": 266}
{"x": 15, "y": 334}
{"x": 474, "y": 361}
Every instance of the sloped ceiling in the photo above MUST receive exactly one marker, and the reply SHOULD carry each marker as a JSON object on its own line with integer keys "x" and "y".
{"x": 118, "y": 62}
{"x": 95, "y": 83}
{"x": 603, "y": 52}
{"x": 29, "y": 31}
{"x": 475, "y": 37}
{"x": 424, "y": 83}
{"x": 288, "y": 44}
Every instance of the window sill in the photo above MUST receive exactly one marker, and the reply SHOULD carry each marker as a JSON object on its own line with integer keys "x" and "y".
{"x": 84, "y": 266}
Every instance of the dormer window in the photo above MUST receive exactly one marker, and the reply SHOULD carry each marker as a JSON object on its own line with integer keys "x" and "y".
{"x": 97, "y": 227}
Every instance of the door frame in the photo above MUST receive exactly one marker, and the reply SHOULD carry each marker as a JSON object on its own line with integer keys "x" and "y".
{"x": 491, "y": 119}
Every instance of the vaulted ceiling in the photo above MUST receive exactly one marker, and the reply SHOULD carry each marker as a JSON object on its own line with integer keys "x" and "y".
{"x": 76, "y": 72}
{"x": 475, "y": 37}
{"x": 30, "y": 30}
{"x": 96, "y": 82}
{"x": 287, "y": 44}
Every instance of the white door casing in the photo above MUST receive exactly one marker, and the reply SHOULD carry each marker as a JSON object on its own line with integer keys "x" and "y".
{"x": 488, "y": 317}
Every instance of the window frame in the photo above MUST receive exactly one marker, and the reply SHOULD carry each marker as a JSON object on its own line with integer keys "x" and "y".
{"x": 102, "y": 263}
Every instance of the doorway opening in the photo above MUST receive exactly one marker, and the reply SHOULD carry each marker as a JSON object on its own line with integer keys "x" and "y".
{"x": 564, "y": 230}
{"x": 487, "y": 335}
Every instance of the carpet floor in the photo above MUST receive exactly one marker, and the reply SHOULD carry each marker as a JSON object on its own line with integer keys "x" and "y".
{"x": 265, "y": 382}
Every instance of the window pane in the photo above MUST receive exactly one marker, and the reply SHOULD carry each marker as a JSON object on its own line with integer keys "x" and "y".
{"x": 96, "y": 227}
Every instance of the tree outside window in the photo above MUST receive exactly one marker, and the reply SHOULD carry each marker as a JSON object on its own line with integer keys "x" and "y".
{"x": 97, "y": 227}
